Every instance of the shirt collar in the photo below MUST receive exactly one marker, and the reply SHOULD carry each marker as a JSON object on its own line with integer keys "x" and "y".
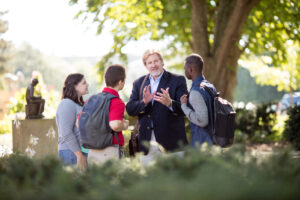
{"x": 198, "y": 80}
{"x": 111, "y": 91}
{"x": 158, "y": 79}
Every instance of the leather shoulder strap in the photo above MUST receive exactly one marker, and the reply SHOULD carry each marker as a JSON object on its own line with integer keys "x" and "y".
{"x": 143, "y": 83}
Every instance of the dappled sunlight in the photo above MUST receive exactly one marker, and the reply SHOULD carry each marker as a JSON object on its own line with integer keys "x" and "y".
{"x": 285, "y": 76}
{"x": 244, "y": 45}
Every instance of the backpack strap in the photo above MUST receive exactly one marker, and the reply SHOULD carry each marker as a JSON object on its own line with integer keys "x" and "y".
{"x": 135, "y": 133}
{"x": 119, "y": 147}
{"x": 109, "y": 97}
{"x": 211, "y": 93}
{"x": 209, "y": 90}
{"x": 143, "y": 83}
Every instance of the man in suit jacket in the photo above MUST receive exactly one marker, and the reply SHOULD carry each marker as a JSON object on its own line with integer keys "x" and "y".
{"x": 157, "y": 105}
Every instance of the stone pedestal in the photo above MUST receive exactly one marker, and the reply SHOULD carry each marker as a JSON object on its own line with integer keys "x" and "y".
{"x": 35, "y": 137}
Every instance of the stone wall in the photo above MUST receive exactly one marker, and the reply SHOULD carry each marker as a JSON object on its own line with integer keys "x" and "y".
{"x": 35, "y": 137}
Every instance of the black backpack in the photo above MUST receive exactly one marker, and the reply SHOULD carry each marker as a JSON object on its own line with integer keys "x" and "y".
{"x": 223, "y": 120}
{"x": 95, "y": 132}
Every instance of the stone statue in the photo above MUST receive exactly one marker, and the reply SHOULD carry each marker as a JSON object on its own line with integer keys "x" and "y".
{"x": 35, "y": 104}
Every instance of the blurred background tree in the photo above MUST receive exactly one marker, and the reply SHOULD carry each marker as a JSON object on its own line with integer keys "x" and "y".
{"x": 286, "y": 76}
{"x": 219, "y": 30}
{"x": 27, "y": 59}
{"x": 254, "y": 91}
{"x": 4, "y": 46}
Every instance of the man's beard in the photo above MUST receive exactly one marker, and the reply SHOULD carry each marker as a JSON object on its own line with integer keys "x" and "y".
{"x": 156, "y": 74}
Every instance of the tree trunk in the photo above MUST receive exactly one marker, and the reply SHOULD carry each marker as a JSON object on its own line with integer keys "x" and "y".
{"x": 226, "y": 77}
{"x": 220, "y": 60}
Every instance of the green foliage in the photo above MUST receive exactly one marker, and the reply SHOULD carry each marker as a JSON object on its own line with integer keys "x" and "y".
{"x": 4, "y": 45}
{"x": 5, "y": 125}
{"x": 267, "y": 28}
{"x": 28, "y": 60}
{"x": 257, "y": 123}
{"x": 152, "y": 19}
{"x": 200, "y": 174}
{"x": 54, "y": 70}
{"x": 292, "y": 127}
{"x": 265, "y": 118}
{"x": 245, "y": 121}
{"x": 18, "y": 102}
{"x": 286, "y": 76}
{"x": 16, "y": 107}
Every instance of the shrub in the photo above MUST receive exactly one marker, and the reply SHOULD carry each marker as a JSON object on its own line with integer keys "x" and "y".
{"x": 16, "y": 108}
{"x": 18, "y": 102}
{"x": 256, "y": 123}
{"x": 5, "y": 125}
{"x": 200, "y": 174}
{"x": 265, "y": 118}
{"x": 292, "y": 127}
{"x": 245, "y": 121}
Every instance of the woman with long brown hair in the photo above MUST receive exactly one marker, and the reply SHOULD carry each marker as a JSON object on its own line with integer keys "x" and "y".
{"x": 69, "y": 148}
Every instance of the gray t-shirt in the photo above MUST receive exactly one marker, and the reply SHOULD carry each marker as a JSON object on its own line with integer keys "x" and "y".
{"x": 68, "y": 133}
{"x": 199, "y": 115}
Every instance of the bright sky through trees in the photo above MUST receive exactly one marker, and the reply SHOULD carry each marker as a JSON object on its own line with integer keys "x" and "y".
{"x": 49, "y": 26}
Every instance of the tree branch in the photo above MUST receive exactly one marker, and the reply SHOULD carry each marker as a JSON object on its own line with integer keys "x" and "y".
{"x": 233, "y": 29}
{"x": 199, "y": 27}
{"x": 224, "y": 12}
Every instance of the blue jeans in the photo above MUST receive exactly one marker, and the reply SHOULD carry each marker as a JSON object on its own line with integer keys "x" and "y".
{"x": 67, "y": 157}
{"x": 199, "y": 135}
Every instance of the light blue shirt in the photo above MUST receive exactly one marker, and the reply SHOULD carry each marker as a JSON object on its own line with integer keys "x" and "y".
{"x": 154, "y": 84}
{"x": 153, "y": 88}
